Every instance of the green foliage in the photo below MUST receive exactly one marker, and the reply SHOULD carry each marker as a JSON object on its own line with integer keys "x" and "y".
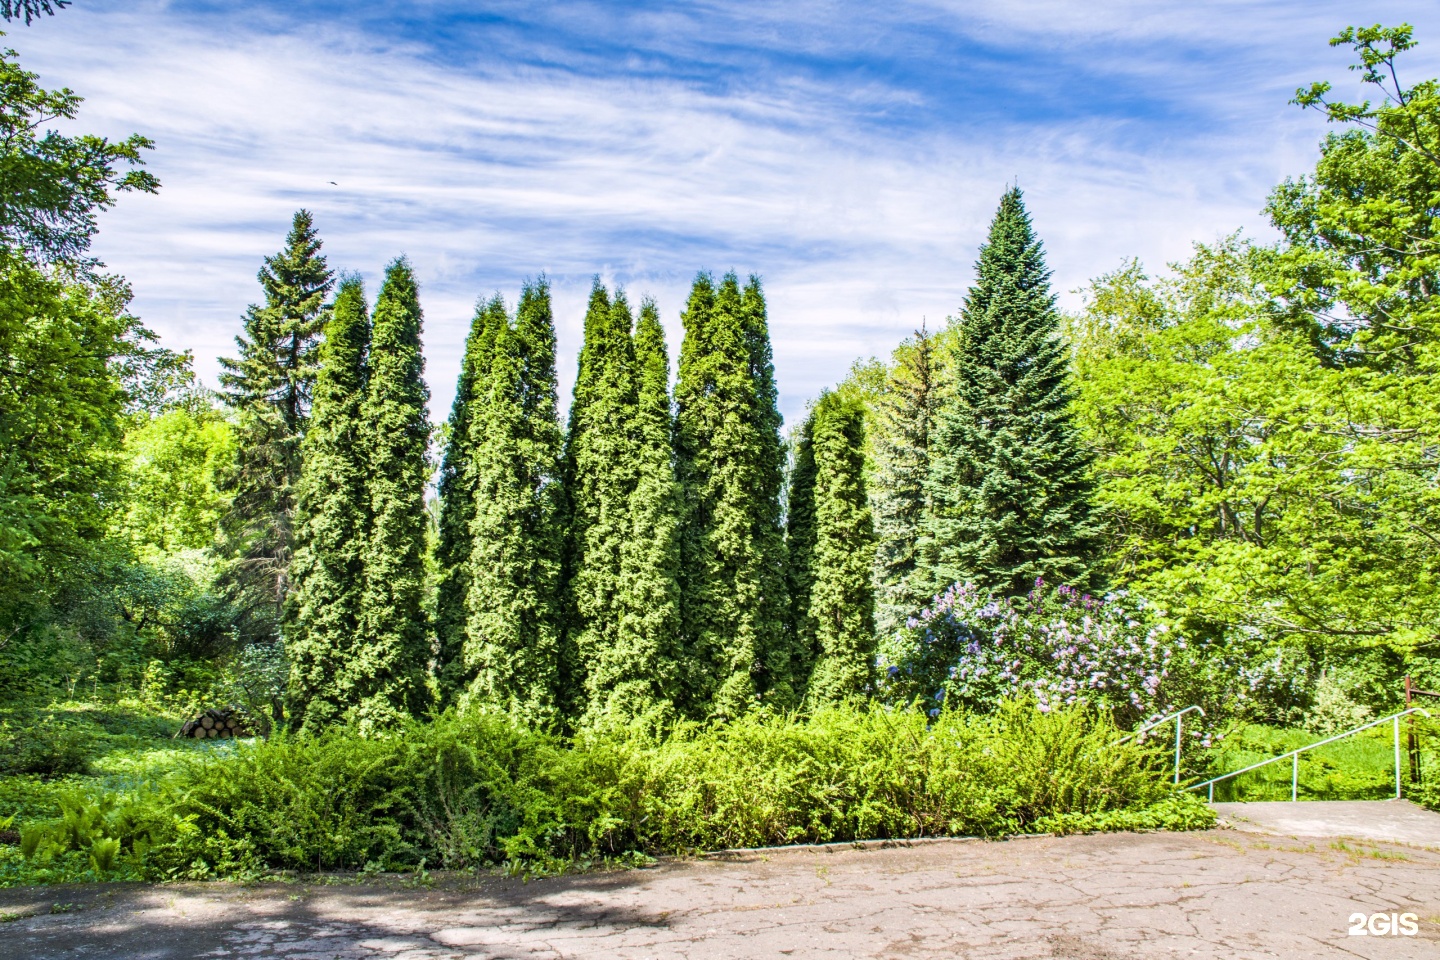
{"x": 599, "y": 480}
{"x": 55, "y": 184}
{"x": 269, "y": 387}
{"x": 458, "y": 476}
{"x": 50, "y": 744}
{"x": 1251, "y": 486}
{"x": 835, "y": 600}
{"x": 647, "y": 668}
{"x": 904, "y": 418}
{"x": 1356, "y": 267}
{"x": 60, "y": 424}
{"x": 800, "y": 533}
{"x": 1009, "y": 485}
{"x": 512, "y": 647}
{"x": 1361, "y": 767}
{"x": 383, "y": 677}
{"x": 31, "y": 9}
{"x": 619, "y": 664}
{"x": 730, "y": 464}
{"x": 475, "y": 789}
{"x": 332, "y": 520}
{"x": 259, "y": 682}
{"x": 173, "y": 464}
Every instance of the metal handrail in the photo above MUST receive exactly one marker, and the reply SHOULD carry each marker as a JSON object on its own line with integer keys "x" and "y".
{"x": 1165, "y": 719}
{"x": 1295, "y": 756}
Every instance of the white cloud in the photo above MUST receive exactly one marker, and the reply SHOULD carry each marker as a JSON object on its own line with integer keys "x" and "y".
{"x": 492, "y": 173}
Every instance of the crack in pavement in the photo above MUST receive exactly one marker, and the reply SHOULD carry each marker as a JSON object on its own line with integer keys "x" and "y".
{"x": 1100, "y": 897}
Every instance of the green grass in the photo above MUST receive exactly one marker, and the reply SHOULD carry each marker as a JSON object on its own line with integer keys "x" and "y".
{"x": 87, "y": 746}
{"x": 1360, "y": 767}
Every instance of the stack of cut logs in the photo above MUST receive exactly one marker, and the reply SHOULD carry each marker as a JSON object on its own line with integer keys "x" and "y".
{"x": 216, "y": 724}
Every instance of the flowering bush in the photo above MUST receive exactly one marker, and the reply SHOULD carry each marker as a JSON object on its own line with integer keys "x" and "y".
{"x": 1057, "y": 645}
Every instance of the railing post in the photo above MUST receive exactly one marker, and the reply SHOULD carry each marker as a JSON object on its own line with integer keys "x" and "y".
{"x": 1295, "y": 777}
{"x": 1397, "y": 757}
{"x": 1178, "y": 716}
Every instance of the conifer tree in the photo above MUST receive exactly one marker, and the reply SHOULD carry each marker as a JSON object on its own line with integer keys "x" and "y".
{"x": 512, "y": 646}
{"x": 905, "y": 418}
{"x": 800, "y": 548}
{"x": 387, "y": 669}
{"x": 599, "y": 479}
{"x": 640, "y": 677}
{"x": 841, "y": 600}
{"x": 457, "y": 493}
{"x": 730, "y": 463}
{"x": 1009, "y": 481}
{"x": 332, "y": 514}
{"x": 269, "y": 386}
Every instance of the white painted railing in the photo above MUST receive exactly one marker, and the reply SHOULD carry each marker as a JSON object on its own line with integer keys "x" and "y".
{"x": 1294, "y": 756}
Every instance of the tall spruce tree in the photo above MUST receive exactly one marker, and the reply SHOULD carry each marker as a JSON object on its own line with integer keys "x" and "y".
{"x": 269, "y": 385}
{"x": 640, "y": 676}
{"x": 512, "y": 646}
{"x": 841, "y": 602}
{"x": 332, "y": 521}
{"x": 906, "y": 413}
{"x": 457, "y": 494}
{"x": 730, "y": 462}
{"x": 1009, "y": 483}
{"x": 386, "y": 671}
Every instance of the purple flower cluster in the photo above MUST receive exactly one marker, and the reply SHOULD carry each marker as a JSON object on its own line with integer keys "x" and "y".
{"x": 1058, "y": 645}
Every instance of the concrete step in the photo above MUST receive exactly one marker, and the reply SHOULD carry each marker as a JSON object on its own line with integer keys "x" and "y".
{"x": 1392, "y": 821}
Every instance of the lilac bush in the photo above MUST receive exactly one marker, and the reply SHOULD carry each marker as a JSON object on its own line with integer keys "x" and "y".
{"x": 1061, "y": 647}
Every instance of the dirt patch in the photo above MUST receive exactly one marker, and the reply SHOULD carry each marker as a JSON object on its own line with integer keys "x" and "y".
{"x": 1113, "y": 897}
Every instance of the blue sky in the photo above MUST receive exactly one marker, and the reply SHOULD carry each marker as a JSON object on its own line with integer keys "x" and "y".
{"x": 850, "y": 153}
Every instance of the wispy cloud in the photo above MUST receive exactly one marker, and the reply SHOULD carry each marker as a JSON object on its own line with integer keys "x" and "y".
{"x": 851, "y": 154}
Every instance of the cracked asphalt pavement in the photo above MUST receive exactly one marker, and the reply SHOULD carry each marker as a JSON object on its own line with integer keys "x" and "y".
{"x": 1103, "y": 897}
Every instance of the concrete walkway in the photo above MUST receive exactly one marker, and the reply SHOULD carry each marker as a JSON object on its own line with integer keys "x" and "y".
{"x": 1389, "y": 821}
{"x": 1160, "y": 896}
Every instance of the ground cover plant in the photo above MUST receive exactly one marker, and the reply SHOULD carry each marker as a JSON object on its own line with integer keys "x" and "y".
{"x": 472, "y": 790}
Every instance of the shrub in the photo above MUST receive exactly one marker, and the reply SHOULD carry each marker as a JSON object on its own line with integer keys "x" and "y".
{"x": 1062, "y": 647}
{"x": 43, "y": 743}
{"x": 464, "y": 791}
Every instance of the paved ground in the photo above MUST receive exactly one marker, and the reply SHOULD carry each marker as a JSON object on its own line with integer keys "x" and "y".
{"x": 1398, "y": 821}
{"x": 1116, "y": 897}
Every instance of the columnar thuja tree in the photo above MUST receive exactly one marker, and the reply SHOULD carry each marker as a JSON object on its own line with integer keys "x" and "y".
{"x": 457, "y": 493}
{"x": 386, "y": 670}
{"x": 730, "y": 463}
{"x": 839, "y": 622}
{"x": 512, "y": 644}
{"x": 622, "y": 541}
{"x": 905, "y": 415}
{"x": 332, "y": 521}
{"x": 269, "y": 385}
{"x": 800, "y": 547}
{"x": 641, "y": 679}
{"x": 1009, "y": 482}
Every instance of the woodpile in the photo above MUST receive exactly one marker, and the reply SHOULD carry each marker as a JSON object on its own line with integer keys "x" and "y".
{"x": 215, "y": 725}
